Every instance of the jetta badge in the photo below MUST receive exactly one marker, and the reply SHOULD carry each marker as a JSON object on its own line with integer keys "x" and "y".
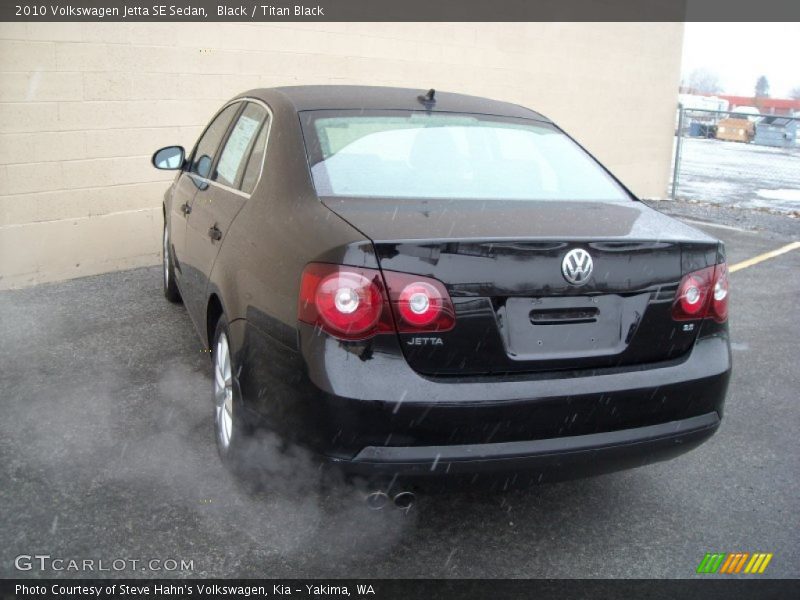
{"x": 577, "y": 266}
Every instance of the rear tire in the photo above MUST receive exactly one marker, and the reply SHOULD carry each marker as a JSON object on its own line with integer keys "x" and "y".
{"x": 258, "y": 458}
{"x": 230, "y": 424}
{"x": 171, "y": 291}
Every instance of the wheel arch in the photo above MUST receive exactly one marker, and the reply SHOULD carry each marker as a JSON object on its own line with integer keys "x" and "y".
{"x": 214, "y": 311}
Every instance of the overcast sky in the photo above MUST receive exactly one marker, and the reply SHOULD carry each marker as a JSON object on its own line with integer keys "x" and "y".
{"x": 739, "y": 52}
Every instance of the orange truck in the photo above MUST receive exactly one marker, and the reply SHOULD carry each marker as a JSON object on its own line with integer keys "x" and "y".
{"x": 735, "y": 129}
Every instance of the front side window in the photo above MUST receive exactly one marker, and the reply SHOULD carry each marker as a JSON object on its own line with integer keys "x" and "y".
{"x": 234, "y": 156}
{"x": 208, "y": 143}
{"x": 418, "y": 154}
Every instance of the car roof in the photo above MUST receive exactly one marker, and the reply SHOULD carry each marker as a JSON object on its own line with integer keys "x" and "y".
{"x": 358, "y": 97}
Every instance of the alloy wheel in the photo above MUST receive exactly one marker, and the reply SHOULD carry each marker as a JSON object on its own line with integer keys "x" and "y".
{"x": 223, "y": 391}
{"x": 166, "y": 257}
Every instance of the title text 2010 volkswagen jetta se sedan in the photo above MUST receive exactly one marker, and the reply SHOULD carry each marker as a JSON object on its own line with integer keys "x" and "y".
{"x": 423, "y": 285}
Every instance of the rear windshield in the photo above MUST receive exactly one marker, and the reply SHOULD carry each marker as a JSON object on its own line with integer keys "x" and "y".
{"x": 418, "y": 154}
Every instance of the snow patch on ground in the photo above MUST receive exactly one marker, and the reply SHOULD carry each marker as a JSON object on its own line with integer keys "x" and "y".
{"x": 740, "y": 175}
{"x": 785, "y": 195}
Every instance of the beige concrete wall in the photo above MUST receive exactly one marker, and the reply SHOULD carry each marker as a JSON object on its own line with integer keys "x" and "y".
{"x": 82, "y": 107}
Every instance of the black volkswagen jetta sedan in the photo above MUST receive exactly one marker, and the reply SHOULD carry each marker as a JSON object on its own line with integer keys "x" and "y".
{"x": 412, "y": 284}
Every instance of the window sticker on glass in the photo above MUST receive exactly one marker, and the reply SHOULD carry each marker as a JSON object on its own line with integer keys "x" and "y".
{"x": 235, "y": 148}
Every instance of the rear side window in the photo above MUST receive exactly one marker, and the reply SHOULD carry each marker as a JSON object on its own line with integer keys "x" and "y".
{"x": 418, "y": 154}
{"x": 238, "y": 147}
{"x": 208, "y": 143}
{"x": 254, "y": 165}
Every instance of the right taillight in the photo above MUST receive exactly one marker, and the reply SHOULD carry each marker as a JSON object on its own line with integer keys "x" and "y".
{"x": 719, "y": 295}
{"x": 353, "y": 303}
{"x": 703, "y": 294}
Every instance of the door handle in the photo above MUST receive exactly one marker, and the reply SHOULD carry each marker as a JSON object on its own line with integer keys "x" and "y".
{"x": 214, "y": 233}
{"x": 185, "y": 208}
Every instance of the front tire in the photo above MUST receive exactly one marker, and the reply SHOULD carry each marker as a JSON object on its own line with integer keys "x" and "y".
{"x": 171, "y": 292}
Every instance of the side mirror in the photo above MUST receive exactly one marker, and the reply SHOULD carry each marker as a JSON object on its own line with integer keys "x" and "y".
{"x": 169, "y": 158}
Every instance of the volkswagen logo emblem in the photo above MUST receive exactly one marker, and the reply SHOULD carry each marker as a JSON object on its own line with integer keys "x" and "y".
{"x": 577, "y": 266}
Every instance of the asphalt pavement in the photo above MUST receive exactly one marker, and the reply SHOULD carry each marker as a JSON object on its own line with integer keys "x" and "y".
{"x": 107, "y": 453}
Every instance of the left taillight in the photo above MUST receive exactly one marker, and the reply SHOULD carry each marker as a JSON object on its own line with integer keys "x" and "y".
{"x": 419, "y": 304}
{"x": 703, "y": 294}
{"x": 353, "y": 303}
{"x": 346, "y": 302}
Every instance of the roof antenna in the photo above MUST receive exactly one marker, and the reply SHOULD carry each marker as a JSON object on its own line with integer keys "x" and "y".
{"x": 429, "y": 98}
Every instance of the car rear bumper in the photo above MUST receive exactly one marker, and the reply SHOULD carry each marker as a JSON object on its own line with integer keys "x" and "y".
{"x": 366, "y": 411}
{"x": 547, "y": 459}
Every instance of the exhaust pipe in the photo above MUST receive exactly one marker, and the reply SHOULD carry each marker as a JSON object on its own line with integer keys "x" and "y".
{"x": 377, "y": 500}
{"x": 404, "y": 500}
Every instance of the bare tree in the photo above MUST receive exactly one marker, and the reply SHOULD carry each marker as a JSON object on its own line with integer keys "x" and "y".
{"x": 762, "y": 87}
{"x": 702, "y": 81}
{"x": 795, "y": 93}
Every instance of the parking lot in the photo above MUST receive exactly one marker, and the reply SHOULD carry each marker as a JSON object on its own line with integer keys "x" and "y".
{"x": 107, "y": 452}
{"x": 740, "y": 175}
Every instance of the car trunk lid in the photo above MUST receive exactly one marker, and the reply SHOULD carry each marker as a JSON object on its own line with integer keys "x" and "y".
{"x": 502, "y": 264}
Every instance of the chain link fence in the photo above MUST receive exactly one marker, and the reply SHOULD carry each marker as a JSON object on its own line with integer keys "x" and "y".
{"x": 745, "y": 160}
